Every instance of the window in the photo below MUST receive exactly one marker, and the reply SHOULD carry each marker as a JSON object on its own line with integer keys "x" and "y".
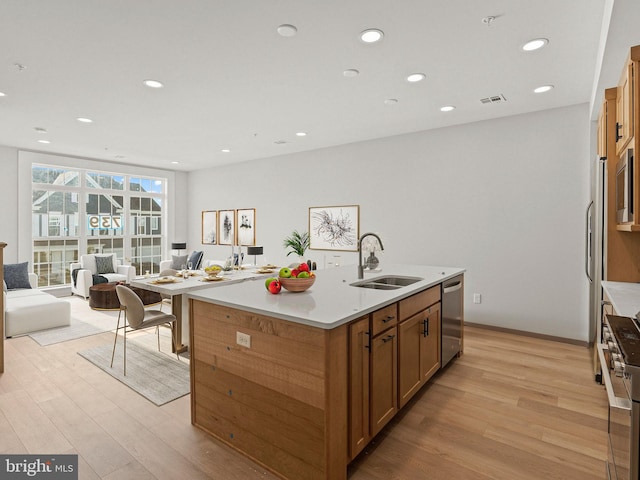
{"x": 111, "y": 218}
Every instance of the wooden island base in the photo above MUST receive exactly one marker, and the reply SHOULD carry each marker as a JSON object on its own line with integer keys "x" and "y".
{"x": 303, "y": 400}
{"x": 283, "y": 401}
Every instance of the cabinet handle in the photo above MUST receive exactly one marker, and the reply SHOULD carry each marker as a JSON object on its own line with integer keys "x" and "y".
{"x": 388, "y": 338}
{"x": 618, "y": 127}
{"x": 388, "y": 318}
{"x": 368, "y": 345}
{"x": 425, "y": 325}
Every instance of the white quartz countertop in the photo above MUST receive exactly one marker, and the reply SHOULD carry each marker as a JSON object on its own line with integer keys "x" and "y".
{"x": 331, "y": 301}
{"x": 624, "y": 296}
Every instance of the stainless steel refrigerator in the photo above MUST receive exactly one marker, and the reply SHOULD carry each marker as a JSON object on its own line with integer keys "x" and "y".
{"x": 595, "y": 258}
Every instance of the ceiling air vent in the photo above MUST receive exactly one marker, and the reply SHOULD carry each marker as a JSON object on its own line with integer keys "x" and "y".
{"x": 494, "y": 99}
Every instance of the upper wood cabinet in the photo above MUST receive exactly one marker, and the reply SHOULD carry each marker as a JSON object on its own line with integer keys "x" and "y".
{"x": 624, "y": 107}
{"x": 626, "y": 135}
{"x": 602, "y": 131}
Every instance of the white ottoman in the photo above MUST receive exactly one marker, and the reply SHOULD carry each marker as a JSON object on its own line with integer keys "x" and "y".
{"x": 31, "y": 310}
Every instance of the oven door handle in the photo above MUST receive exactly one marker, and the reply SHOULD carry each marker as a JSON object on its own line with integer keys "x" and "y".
{"x": 614, "y": 402}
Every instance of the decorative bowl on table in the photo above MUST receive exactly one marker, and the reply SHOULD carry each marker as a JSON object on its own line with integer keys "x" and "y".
{"x": 212, "y": 270}
{"x": 297, "y": 284}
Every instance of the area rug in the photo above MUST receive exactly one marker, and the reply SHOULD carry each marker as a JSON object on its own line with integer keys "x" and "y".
{"x": 77, "y": 329}
{"x": 158, "y": 377}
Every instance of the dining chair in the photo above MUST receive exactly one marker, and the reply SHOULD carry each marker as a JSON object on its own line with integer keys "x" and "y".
{"x": 137, "y": 318}
{"x": 166, "y": 299}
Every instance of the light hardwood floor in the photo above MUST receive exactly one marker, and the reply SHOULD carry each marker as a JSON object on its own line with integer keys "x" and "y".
{"x": 512, "y": 407}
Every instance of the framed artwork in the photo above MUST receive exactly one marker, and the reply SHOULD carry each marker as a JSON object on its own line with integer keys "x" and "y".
{"x": 246, "y": 226}
{"x": 226, "y": 227}
{"x": 209, "y": 226}
{"x": 334, "y": 228}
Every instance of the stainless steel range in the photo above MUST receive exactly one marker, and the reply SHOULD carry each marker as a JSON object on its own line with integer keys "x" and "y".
{"x": 620, "y": 353}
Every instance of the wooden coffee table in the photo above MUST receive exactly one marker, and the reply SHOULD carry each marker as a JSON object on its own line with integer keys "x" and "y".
{"x": 104, "y": 297}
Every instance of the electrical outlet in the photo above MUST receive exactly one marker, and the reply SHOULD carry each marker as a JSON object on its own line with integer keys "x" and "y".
{"x": 477, "y": 298}
{"x": 243, "y": 339}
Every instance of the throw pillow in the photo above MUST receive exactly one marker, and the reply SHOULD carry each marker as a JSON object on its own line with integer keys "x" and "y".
{"x": 4, "y": 285}
{"x": 17, "y": 275}
{"x": 177, "y": 261}
{"x": 195, "y": 258}
{"x": 104, "y": 264}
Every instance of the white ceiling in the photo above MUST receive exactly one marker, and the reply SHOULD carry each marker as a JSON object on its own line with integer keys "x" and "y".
{"x": 231, "y": 82}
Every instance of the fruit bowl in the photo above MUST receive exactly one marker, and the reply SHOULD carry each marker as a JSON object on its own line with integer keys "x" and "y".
{"x": 296, "y": 285}
{"x": 212, "y": 271}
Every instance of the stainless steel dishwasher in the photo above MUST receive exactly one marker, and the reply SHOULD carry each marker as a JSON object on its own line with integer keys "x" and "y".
{"x": 452, "y": 318}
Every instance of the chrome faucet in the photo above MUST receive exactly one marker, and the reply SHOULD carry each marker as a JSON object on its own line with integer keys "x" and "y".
{"x": 362, "y": 237}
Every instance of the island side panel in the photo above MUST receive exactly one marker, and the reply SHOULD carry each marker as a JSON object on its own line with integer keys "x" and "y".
{"x": 270, "y": 401}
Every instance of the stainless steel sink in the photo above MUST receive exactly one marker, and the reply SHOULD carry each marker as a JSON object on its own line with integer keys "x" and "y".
{"x": 388, "y": 282}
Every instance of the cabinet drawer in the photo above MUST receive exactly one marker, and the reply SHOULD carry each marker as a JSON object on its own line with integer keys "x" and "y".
{"x": 415, "y": 303}
{"x": 384, "y": 318}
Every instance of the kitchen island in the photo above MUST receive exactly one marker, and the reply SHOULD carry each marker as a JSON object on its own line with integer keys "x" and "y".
{"x": 301, "y": 382}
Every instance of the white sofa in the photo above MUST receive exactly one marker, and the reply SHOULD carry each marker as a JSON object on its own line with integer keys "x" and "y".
{"x": 87, "y": 267}
{"x": 28, "y": 310}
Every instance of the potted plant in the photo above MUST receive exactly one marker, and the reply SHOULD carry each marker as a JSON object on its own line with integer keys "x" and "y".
{"x": 297, "y": 242}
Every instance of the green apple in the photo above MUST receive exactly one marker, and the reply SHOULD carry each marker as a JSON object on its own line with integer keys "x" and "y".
{"x": 268, "y": 281}
{"x": 284, "y": 272}
{"x": 303, "y": 275}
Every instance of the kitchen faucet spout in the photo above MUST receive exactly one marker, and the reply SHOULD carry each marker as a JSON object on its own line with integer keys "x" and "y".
{"x": 362, "y": 237}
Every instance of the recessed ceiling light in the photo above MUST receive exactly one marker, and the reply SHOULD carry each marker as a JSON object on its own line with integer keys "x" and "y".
{"x": 287, "y": 30}
{"x": 351, "y": 72}
{"x": 535, "y": 44}
{"x": 301, "y": 134}
{"x": 371, "y": 35}
{"x": 447, "y": 108}
{"x": 416, "y": 77}
{"x": 2, "y": 94}
{"x": 84, "y": 120}
{"x": 543, "y": 89}
{"x": 175, "y": 163}
{"x": 225, "y": 150}
{"x": 153, "y": 83}
{"x": 391, "y": 101}
{"x": 44, "y": 141}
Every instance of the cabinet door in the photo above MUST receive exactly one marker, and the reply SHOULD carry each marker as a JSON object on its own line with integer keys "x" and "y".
{"x": 624, "y": 109}
{"x": 384, "y": 379}
{"x": 359, "y": 433}
{"x": 602, "y": 131}
{"x": 430, "y": 347}
{"x": 409, "y": 362}
{"x": 418, "y": 351}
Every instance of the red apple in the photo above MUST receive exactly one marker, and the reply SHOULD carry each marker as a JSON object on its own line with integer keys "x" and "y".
{"x": 275, "y": 286}
{"x": 295, "y": 272}
{"x": 268, "y": 281}
{"x": 303, "y": 267}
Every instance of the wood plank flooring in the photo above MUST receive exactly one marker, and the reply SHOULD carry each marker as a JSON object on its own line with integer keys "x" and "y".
{"x": 512, "y": 407}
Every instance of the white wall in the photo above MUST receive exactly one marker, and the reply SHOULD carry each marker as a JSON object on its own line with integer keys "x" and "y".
{"x": 503, "y": 198}
{"x": 9, "y": 202}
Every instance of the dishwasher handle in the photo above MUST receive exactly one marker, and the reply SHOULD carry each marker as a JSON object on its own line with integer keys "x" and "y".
{"x": 452, "y": 287}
